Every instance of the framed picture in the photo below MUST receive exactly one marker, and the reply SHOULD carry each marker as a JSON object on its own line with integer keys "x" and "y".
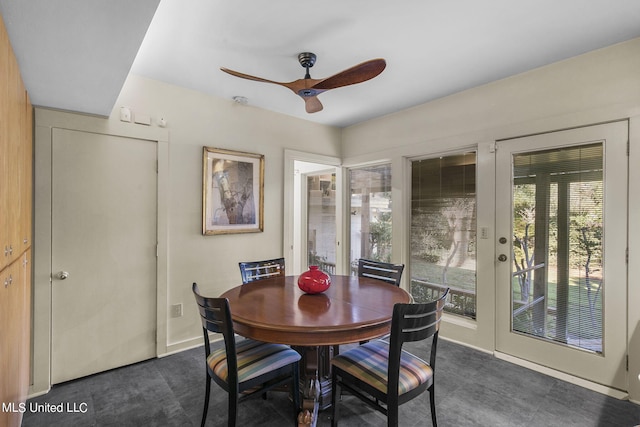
{"x": 232, "y": 192}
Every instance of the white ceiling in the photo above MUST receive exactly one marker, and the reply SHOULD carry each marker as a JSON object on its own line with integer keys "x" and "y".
{"x": 75, "y": 54}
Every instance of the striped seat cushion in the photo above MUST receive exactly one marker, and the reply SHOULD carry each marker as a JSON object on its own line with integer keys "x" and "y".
{"x": 369, "y": 363}
{"x": 254, "y": 359}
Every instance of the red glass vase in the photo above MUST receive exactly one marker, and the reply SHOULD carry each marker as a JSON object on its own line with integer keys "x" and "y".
{"x": 314, "y": 281}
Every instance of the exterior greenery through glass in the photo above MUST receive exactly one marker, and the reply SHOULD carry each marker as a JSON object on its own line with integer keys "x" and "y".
{"x": 557, "y": 274}
{"x": 321, "y": 221}
{"x": 370, "y": 213}
{"x": 443, "y": 231}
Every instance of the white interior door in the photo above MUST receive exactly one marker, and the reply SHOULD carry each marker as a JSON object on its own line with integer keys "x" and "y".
{"x": 561, "y": 221}
{"x": 104, "y": 234}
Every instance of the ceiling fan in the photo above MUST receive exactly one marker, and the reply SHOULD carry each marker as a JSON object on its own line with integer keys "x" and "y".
{"x": 309, "y": 89}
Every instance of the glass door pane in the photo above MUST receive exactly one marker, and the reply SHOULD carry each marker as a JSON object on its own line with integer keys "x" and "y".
{"x": 321, "y": 221}
{"x": 370, "y": 213}
{"x": 557, "y": 230}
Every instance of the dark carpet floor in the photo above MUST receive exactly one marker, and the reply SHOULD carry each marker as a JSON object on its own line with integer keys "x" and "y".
{"x": 472, "y": 389}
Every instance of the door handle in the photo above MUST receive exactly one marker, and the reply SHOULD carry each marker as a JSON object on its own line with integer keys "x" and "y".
{"x": 502, "y": 257}
{"x": 62, "y": 275}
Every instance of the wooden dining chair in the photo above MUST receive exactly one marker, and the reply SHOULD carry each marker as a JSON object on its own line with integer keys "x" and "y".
{"x": 259, "y": 270}
{"x": 387, "y": 272}
{"x": 385, "y": 376}
{"x": 247, "y": 368}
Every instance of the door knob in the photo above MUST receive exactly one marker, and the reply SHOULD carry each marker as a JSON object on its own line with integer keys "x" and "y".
{"x": 62, "y": 275}
{"x": 502, "y": 257}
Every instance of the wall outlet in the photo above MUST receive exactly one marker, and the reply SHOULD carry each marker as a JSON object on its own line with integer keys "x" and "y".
{"x": 176, "y": 310}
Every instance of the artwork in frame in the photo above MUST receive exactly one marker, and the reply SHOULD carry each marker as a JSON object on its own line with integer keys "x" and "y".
{"x": 232, "y": 192}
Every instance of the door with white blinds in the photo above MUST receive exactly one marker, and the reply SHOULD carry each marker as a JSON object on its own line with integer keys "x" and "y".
{"x": 561, "y": 222}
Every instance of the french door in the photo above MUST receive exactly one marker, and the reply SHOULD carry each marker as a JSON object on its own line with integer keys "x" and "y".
{"x": 321, "y": 220}
{"x": 561, "y": 241}
{"x": 313, "y": 206}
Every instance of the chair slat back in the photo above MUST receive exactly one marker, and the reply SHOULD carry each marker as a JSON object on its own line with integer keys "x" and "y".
{"x": 215, "y": 315}
{"x": 417, "y": 321}
{"x": 413, "y": 322}
{"x": 260, "y": 270}
{"x": 390, "y": 273}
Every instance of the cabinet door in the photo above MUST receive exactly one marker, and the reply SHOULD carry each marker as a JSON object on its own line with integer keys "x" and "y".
{"x": 24, "y": 320}
{"x": 5, "y": 367}
{"x": 4, "y": 148}
{"x": 15, "y": 160}
{"x": 14, "y": 356}
{"x": 25, "y": 174}
{"x": 15, "y": 127}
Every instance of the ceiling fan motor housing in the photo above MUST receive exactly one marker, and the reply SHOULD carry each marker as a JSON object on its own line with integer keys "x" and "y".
{"x": 308, "y": 92}
{"x": 307, "y": 59}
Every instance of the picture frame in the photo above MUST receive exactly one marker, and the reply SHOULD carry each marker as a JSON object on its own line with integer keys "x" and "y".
{"x": 232, "y": 192}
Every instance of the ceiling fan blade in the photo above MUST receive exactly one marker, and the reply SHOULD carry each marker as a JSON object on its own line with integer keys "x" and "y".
{"x": 356, "y": 74}
{"x": 309, "y": 89}
{"x": 312, "y": 104}
{"x": 296, "y": 86}
{"x": 250, "y": 77}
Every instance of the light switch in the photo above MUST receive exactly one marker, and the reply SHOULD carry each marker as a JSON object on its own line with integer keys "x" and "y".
{"x": 125, "y": 114}
{"x": 484, "y": 232}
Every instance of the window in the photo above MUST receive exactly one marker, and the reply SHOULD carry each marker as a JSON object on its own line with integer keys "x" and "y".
{"x": 443, "y": 231}
{"x": 370, "y": 213}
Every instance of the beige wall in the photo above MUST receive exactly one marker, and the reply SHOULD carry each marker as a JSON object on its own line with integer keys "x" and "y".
{"x": 193, "y": 120}
{"x": 599, "y": 86}
{"x": 543, "y": 99}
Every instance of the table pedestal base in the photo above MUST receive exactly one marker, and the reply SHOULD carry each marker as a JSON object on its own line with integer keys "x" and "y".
{"x": 315, "y": 377}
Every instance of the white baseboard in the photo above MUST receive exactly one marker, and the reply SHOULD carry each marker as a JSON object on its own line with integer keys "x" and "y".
{"x": 483, "y": 350}
{"x": 618, "y": 394}
{"x": 188, "y": 344}
{"x": 35, "y": 393}
{"x": 180, "y": 346}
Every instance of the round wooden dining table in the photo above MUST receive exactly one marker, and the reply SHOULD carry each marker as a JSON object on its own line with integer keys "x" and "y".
{"x": 352, "y": 310}
{"x": 275, "y": 310}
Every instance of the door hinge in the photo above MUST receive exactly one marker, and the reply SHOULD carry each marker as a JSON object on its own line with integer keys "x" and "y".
{"x": 493, "y": 147}
{"x": 628, "y": 147}
{"x": 626, "y": 256}
{"x": 627, "y": 362}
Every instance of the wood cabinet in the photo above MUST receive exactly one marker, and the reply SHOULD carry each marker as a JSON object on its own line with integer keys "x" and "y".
{"x": 16, "y": 193}
{"x": 15, "y": 300}
{"x": 16, "y": 144}
{"x": 4, "y": 144}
